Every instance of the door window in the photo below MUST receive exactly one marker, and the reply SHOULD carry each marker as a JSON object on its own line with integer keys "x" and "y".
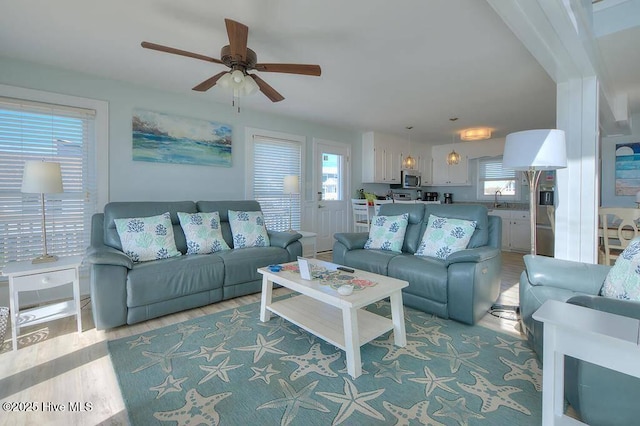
{"x": 331, "y": 177}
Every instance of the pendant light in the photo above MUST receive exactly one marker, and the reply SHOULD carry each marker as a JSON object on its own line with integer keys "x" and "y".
{"x": 409, "y": 162}
{"x": 453, "y": 158}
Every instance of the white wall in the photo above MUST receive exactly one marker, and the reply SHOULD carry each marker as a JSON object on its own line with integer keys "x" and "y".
{"x": 142, "y": 181}
{"x": 135, "y": 180}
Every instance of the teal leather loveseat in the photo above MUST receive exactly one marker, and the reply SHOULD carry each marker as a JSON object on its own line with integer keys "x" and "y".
{"x": 599, "y": 396}
{"x": 462, "y": 287}
{"x": 124, "y": 292}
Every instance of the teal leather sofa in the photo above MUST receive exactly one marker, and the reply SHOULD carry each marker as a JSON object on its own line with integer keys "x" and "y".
{"x": 463, "y": 287}
{"x": 124, "y": 292}
{"x": 600, "y": 396}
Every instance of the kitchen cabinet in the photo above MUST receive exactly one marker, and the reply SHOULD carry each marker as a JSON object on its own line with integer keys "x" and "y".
{"x": 516, "y": 229}
{"x": 382, "y": 157}
{"x": 444, "y": 174}
{"x": 520, "y": 231}
{"x": 422, "y": 154}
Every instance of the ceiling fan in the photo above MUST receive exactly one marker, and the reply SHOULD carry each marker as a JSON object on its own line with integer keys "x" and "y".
{"x": 237, "y": 56}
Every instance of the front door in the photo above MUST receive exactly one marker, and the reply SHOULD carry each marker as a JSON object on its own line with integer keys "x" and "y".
{"x": 331, "y": 180}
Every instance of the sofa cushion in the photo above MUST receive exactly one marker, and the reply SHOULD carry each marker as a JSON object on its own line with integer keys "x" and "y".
{"x": 375, "y": 261}
{"x": 474, "y": 212}
{"x": 242, "y": 265}
{"x": 387, "y": 232}
{"x": 223, "y": 207}
{"x": 427, "y": 276}
{"x": 124, "y": 209}
{"x": 147, "y": 238}
{"x": 414, "y": 228}
{"x": 248, "y": 229}
{"x": 444, "y": 236}
{"x": 203, "y": 233}
{"x": 623, "y": 279}
{"x": 152, "y": 282}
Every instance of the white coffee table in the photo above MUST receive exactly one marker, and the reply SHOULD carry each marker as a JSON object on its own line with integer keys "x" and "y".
{"x": 336, "y": 319}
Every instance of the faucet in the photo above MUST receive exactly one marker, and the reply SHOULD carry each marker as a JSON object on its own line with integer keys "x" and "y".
{"x": 495, "y": 199}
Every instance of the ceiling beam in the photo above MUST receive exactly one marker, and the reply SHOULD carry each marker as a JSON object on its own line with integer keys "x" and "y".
{"x": 560, "y": 36}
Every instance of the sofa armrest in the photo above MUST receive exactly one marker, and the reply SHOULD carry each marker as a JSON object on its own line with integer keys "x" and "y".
{"x": 474, "y": 255}
{"x": 282, "y": 239}
{"x": 352, "y": 240}
{"x": 565, "y": 274}
{"x": 105, "y": 255}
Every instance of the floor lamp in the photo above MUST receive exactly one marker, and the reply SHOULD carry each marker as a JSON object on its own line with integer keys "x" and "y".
{"x": 291, "y": 184}
{"x": 40, "y": 177}
{"x": 534, "y": 151}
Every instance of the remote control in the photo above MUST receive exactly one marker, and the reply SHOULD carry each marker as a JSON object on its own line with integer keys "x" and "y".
{"x": 345, "y": 269}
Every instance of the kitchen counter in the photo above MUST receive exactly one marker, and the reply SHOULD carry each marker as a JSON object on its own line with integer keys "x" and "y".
{"x": 503, "y": 206}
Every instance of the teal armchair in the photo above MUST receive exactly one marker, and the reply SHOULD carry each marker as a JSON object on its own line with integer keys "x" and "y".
{"x": 600, "y": 396}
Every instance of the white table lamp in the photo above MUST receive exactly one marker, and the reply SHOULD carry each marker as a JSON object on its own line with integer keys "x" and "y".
{"x": 534, "y": 151}
{"x": 291, "y": 184}
{"x": 40, "y": 177}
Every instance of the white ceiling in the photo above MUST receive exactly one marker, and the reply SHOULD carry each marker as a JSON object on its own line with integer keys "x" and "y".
{"x": 385, "y": 64}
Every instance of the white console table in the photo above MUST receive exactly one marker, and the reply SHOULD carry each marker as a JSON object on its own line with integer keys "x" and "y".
{"x": 601, "y": 338}
{"x": 27, "y": 276}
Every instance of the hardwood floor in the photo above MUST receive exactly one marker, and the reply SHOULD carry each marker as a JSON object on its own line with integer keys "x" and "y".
{"x": 56, "y": 365}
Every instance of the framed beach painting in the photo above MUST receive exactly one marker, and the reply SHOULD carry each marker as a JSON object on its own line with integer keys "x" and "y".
{"x": 164, "y": 138}
{"x": 627, "y": 173}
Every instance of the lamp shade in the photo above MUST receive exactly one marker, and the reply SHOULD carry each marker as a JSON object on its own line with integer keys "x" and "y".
{"x": 291, "y": 184}
{"x": 542, "y": 149}
{"x": 41, "y": 177}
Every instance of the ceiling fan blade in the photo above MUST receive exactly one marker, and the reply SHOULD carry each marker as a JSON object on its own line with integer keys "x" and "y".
{"x": 268, "y": 91}
{"x": 238, "y": 34}
{"x": 209, "y": 83}
{"x": 290, "y": 68}
{"x": 175, "y": 51}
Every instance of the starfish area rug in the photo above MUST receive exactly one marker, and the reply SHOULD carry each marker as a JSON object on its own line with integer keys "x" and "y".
{"x": 229, "y": 368}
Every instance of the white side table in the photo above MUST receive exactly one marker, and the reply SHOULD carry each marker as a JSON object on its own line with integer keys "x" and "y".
{"x": 310, "y": 238}
{"x": 597, "y": 337}
{"x": 26, "y": 276}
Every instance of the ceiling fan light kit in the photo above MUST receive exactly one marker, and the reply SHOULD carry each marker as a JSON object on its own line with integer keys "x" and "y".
{"x": 237, "y": 56}
{"x": 477, "y": 134}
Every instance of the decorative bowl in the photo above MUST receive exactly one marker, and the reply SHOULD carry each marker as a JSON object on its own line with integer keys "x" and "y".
{"x": 345, "y": 290}
{"x": 275, "y": 268}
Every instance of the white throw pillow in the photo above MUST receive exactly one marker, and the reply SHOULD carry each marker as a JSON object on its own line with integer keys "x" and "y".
{"x": 387, "y": 232}
{"x": 248, "y": 229}
{"x": 203, "y": 232}
{"x": 623, "y": 279}
{"x": 147, "y": 238}
{"x": 444, "y": 236}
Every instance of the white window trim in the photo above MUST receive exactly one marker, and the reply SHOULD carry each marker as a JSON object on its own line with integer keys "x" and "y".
{"x": 316, "y": 172}
{"x": 249, "y": 134}
{"x": 480, "y": 188}
{"x": 101, "y": 128}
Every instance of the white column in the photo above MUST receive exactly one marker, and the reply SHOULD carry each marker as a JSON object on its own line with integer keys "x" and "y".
{"x": 577, "y": 186}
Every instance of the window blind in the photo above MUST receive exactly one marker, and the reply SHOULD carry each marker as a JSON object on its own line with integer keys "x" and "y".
{"x": 492, "y": 169}
{"x": 273, "y": 159}
{"x": 37, "y": 131}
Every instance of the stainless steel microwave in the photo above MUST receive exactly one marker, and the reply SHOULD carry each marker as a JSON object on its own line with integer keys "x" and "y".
{"x": 410, "y": 178}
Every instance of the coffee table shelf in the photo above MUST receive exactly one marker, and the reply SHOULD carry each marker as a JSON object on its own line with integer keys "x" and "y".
{"x": 325, "y": 321}
{"x": 337, "y": 319}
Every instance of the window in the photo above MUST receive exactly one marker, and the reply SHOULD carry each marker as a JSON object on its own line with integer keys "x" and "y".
{"x": 40, "y": 131}
{"x": 494, "y": 180}
{"x": 274, "y": 157}
{"x": 330, "y": 177}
